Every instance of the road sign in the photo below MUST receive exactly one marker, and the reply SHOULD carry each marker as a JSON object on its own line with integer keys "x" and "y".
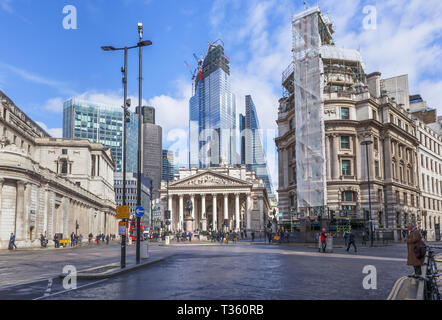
{"x": 123, "y": 212}
{"x": 139, "y": 211}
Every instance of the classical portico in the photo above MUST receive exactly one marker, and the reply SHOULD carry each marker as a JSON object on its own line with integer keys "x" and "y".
{"x": 218, "y": 196}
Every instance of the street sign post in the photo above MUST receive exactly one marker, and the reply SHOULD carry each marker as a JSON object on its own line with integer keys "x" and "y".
{"x": 122, "y": 228}
{"x": 139, "y": 211}
{"x": 123, "y": 212}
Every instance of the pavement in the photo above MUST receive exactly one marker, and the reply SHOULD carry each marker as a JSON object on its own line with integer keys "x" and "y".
{"x": 204, "y": 270}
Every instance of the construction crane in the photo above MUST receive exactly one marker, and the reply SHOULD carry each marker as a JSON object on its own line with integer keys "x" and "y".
{"x": 193, "y": 74}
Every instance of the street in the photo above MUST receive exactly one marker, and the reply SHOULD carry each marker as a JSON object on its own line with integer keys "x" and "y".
{"x": 210, "y": 271}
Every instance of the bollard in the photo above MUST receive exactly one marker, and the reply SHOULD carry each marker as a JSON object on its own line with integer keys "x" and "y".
{"x": 145, "y": 249}
{"x": 329, "y": 247}
{"x": 167, "y": 240}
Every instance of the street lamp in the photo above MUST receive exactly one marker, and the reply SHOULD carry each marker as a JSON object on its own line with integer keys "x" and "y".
{"x": 140, "y": 46}
{"x": 167, "y": 213}
{"x": 366, "y": 144}
{"x": 126, "y": 105}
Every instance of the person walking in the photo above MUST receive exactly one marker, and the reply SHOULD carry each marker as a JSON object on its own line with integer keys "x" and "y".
{"x": 190, "y": 236}
{"x": 414, "y": 244}
{"x": 91, "y": 236}
{"x": 323, "y": 237}
{"x": 346, "y": 237}
{"x": 253, "y": 236}
{"x": 107, "y": 239}
{"x": 351, "y": 241}
{"x": 12, "y": 245}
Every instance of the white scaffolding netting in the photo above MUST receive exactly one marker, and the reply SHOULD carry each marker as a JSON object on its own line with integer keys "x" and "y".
{"x": 309, "y": 133}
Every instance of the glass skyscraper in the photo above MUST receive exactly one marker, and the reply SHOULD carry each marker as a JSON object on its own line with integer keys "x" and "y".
{"x": 252, "y": 148}
{"x": 102, "y": 123}
{"x": 169, "y": 166}
{"x": 212, "y": 114}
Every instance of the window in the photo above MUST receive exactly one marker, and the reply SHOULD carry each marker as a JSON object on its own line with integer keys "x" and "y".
{"x": 345, "y": 142}
{"x": 346, "y": 168}
{"x": 345, "y": 113}
{"x": 399, "y": 123}
{"x": 376, "y": 169}
{"x": 375, "y": 144}
{"x": 291, "y": 124}
{"x": 64, "y": 151}
{"x": 64, "y": 167}
{"x": 349, "y": 196}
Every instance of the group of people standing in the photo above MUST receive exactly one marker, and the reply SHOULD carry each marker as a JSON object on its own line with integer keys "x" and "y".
{"x": 221, "y": 236}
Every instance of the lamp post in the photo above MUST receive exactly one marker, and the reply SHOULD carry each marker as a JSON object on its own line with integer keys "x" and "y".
{"x": 140, "y": 46}
{"x": 366, "y": 144}
{"x": 167, "y": 216}
{"x": 126, "y": 105}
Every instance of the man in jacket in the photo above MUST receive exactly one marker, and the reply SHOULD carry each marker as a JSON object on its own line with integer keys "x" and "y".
{"x": 414, "y": 240}
{"x": 351, "y": 240}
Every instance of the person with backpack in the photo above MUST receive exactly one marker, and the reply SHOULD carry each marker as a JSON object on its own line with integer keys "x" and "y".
{"x": 416, "y": 249}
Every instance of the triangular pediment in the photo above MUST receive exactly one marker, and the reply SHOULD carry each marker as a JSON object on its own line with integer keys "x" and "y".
{"x": 209, "y": 179}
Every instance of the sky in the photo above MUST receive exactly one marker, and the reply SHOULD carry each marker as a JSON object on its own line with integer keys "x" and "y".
{"x": 43, "y": 64}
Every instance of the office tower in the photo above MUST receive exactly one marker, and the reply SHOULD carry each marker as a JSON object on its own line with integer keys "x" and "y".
{"x": 252, "y": 149}
{"x": 169, "y": 167}
{"x": 212, "y": 113}
{"x": 152, "y": 148}
{"x": 102, "y": 123}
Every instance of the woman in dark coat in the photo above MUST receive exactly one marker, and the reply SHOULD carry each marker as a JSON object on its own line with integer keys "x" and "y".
{"x": 413, "y": 240}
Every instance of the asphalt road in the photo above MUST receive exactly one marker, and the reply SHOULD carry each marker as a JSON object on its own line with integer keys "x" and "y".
{"x": 245, "y": 271}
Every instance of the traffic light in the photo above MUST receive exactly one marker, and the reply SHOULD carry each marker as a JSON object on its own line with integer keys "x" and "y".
{"x": 167, "y": 214}
{"x": 332, "y": 216}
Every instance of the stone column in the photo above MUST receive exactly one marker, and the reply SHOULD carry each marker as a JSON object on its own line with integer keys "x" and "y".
{"x": 21, "y": 222}
{"x": 171, "y": 210}
{"x": 192, "y": 197}
{"x": 236, "y": 211}
{"x": 261, "y": 213}
{"x": 358, "y": 158}
{"x": 1, "y": 190}
{"x": 181, "y": 221}
{"x": 215, "y": 218}
{"x": 203, "y": 212}
{"x": 226, "y": 207}
{"x": 336, "y": 163}
{"x": 248, "y": 217}
{"x": 328, "y": 156}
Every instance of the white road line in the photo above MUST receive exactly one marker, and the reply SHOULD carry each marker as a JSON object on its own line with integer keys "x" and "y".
{"x": 337, "y": 255}
{"x": 83, "y": 286}
{"x": 49, "y": 288}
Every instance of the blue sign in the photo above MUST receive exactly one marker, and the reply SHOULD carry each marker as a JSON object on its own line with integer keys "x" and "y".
{"x": 139, "y": 211}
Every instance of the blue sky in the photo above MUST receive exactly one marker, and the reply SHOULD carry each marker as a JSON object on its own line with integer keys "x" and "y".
{"x": 42, "y": 64}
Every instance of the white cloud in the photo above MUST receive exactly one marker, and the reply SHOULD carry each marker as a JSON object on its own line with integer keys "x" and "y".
{"x": 407, "y": 40}
{"x": 54, "y": 132}
{"x": 6, "y": 5}
{"x": 54, "y": 105}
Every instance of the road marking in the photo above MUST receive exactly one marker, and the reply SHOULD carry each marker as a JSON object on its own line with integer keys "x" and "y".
{"x": 49, "y": 288}
{"x": 64, "y": 291}
{"x": 338, "y": 255}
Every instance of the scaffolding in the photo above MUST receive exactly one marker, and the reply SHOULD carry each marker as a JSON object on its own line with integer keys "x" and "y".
{"x": 309, "y": 109}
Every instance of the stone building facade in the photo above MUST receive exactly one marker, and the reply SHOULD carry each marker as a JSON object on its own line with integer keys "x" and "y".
{"x": 48, "y": 185}
{"x": 356, "y": 109}
{"x": 219, "y": 195}
{"x": 430, "y": 177}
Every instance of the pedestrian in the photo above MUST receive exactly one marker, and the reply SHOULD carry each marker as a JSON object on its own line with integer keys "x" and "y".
{"x": 177, "y": 236}
{"x": 43, "y": 241}
{"x": 269, "y": 236}
{"x": 351, "y": 241}
{"x": 424, "y": 234}
{"x": 107, "y": 239}
{"x": 416, "y": 249}
{"x": 190, "y": 236}
{"x": 288, "y": 236}
{"x": 12, "y": 245}
{"x": 56, "y": 243}
{"x": 102, "y": 237}
{"x": 364, "y": 240}
{"x": 253, "y": 236}
{"x": 91, "y": 236}
{"x": 323, "y": 238}
{"x": 346, "y": 238}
